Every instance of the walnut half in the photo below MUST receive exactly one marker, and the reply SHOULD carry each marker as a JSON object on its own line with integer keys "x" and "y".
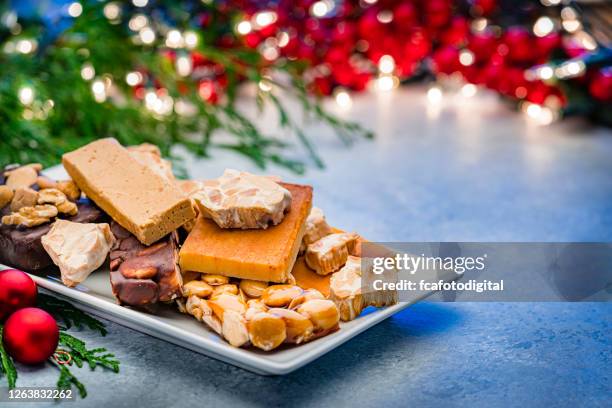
{"x": 58, "y": 199}
{"x": 31, "y": 216}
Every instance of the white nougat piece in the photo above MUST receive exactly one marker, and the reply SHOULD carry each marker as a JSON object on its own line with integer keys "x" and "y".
{"x": 316, "y": 228}
{"x": 329, "y": 253}
{"x": 347, "y": 292}
{"x": 150, "y": 156}
{"x": 77, "y": 249}
{"x": 242, "y": 200}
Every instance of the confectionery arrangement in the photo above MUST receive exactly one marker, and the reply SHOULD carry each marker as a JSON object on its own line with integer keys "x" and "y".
{"x": 246, "y": 255}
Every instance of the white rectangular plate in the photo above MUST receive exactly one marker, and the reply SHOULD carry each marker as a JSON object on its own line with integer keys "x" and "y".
{"x": 95, "y": 296}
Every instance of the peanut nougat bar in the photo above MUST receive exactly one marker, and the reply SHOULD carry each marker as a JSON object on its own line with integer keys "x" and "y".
{"x": 141, "y": 200}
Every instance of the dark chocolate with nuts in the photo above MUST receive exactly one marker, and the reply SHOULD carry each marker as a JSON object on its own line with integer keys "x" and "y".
{"x": 21, "y": 248}
{"x": 144, "y": 275}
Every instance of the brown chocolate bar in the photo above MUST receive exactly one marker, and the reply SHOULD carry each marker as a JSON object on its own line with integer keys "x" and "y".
{"x": 142, "y": 275}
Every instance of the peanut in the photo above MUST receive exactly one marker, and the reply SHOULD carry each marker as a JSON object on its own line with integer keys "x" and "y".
{"x": 197, "y": 288}
{"x": 226, "y": 288}
{"x": 266, "y": 331}
{"x": 253, "y": 288}
{"x": 234, "y": 328}
{"x": 299, "y": 327}
{"x": 146, "y": 272}
{"x": 201, "y": 310}
{"x": 280, "y": 295}
{"x": 255, "y": 306}
{"x": 224, "y": 302}
{"x": 322, "y": 313}
{"x": 215, "y": 280}
{"x": 308, "y": 294}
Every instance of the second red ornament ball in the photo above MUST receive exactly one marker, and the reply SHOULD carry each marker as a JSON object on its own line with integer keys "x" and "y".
{"x": 30, "y": 335}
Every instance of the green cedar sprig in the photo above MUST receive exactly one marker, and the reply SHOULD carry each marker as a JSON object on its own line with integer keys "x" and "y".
{"x": 7, "y": 367}
{"x": 66, "y": 379}
{"x": 68, "y": 314}
{"x": 93, "y": 357}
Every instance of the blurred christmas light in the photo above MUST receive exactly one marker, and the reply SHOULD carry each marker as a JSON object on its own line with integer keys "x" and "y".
{"x": 174, "y": 39}
{"x": 571, "y": 26}
{"x": 434, "y": 95}
{"x": 133, "y": 78}
{"x": 9, "y": 19}
{"x": 75, "y": 9}
{"x": 191, "y": 39}
{"x": 386, "y": 64}
{"x": 386, "y": 83}
{"x": 385, "y": 16}
{"x": 321, "y": 8}
{"x": 112, "y": 11}
{"x": 283, "y": 39}
{"x": 538, "y": 114}
{"x": 270, "y": 53}
{"x": 570, "y": 21}
{"x": 568, "y": 13}
{"x": 343, "y": 98}
{"x": 184, "y": 65}
{"x": 545, "y": 72}
{"x": 543, "y": 26}
{"x": 479, "y": 24}
{"x": 264, "y": 18}
{"x": 87, "y": 72}
{"x": 265, "y": 85}
{"x": 469, "y": 90}
{"x": 140, "y": 3}
{"x": 244, "y": 27}
{"x": 549, "y": 3}
{"x": 138, "y": 22}
{"x": 570, "y": 69}
{"x": 99, "y": 90}
{"x": 466, "y": 58}
{"x": 586, "y": 40}
{"x": 26, "y": 46}
{"x": 147, "y": 35}
{"x": 26, "y": 95}
{"x": 185, "y": 108}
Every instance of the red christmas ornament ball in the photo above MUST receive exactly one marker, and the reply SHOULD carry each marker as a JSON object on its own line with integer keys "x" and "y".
{"x": 30, "y": 335}
{"x": 17, "y": 290}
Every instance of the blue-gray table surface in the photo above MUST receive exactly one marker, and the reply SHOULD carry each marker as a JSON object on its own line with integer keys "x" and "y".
{"x": 466, "y": 170}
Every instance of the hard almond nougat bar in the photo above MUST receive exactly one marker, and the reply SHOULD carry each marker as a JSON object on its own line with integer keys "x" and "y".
{"x": 265, "y": 255}
{"x": 139, "y": 199}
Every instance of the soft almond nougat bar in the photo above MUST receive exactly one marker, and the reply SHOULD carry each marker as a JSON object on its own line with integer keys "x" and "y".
{"x": 139, "y": 199}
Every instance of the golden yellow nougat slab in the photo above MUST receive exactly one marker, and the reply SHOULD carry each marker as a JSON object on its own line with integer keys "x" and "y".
{"x": 139, "y": 199}
{"x": 265, "y": 255}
